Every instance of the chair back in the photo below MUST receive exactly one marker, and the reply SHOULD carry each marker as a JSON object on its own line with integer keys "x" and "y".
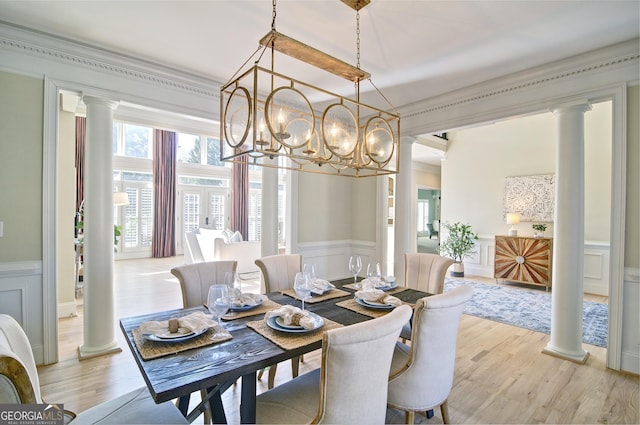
{"x": 195, "y": 279}
{"x": 356, "y": 360}
{"x": 426, "y": 380}
{"x": 426, "y": 272}
{"x": 279, "y": 271}
{"x": 19, "y": 381}
{"x": 192, "y": 252}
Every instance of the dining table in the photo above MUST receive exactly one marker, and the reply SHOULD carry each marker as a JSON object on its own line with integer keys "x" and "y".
{"x": 174, "y": 371}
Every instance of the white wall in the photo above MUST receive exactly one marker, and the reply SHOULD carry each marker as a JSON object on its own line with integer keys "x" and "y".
{"x": 479, "y": 159}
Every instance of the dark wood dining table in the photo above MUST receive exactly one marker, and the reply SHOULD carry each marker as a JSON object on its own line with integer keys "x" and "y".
{"x": 178, "y": 375}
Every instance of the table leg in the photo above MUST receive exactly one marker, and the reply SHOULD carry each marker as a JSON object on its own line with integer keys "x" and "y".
{"x": 248, "y": 399}
{"x": 183, "y": 404}
{"x": 216, "y": 406}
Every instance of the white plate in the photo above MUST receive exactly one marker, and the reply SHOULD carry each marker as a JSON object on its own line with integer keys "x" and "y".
{"x": 318, "y": 323}
{"x": 167, "y": 338}
{"x": 376, "y": 306}
{"x": 246, "y": 307}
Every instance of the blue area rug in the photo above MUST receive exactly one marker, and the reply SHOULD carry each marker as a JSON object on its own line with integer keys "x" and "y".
{"x": 529, "y": 309}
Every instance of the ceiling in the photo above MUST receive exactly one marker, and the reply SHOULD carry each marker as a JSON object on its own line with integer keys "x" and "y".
{"x": 412, "y": 49}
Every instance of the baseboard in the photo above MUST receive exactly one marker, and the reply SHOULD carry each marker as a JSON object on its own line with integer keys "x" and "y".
{"x": 67, "y": 310}
{"x": 630, "y": 362}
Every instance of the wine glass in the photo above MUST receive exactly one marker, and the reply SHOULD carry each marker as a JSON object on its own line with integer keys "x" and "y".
{"x": 232, "y": 281}
{"x": 218, "y": 304}
{"x": 310, "y": 271}
{"x": 355, "y": 266}
{"x": 374, "y": 274}
{"x": 302, "y": 286}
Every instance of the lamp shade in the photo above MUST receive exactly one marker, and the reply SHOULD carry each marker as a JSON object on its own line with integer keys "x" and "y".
{"x": 513, "y": 218}
{"x": 120, "y": 198}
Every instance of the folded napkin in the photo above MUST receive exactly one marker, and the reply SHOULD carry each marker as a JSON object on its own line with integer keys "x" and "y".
{"x": 192, "y": 323}
{"x": 239, "y": 299}
{"x": 378, "y": 296}
{"x": 382, "y": 283}
{"x": 320, "y": 286}
{"x": 292, "y": 316}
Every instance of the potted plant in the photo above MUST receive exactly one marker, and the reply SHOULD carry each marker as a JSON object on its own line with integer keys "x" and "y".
{"x": 460, "y": 242}
{"x": 539, "y": 228}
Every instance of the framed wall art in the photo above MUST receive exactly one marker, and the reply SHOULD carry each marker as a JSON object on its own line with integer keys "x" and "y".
{"x": 531, "y": 196}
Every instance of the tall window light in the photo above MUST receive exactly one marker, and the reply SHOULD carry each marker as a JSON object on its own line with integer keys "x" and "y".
{"x": 423, "y": 215}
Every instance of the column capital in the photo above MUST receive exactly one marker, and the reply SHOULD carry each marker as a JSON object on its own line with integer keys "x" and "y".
{"x": 95, "y": 100}
{"x": 578, "y": 105}
{"x": 407, "y": 140}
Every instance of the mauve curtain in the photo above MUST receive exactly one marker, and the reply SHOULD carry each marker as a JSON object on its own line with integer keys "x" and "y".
{"x": 164, "y": 194}
{"x": 81, "y": 132}
{"x": 240, "y": 199}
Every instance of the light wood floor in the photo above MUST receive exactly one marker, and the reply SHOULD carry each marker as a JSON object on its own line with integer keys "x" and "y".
{"x": 501, "y": 376}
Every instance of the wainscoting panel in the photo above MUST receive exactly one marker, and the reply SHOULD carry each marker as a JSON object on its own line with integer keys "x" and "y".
{"x": 21, "y": 298}
{"x": 332, "y": 257}
{"x": 630, "y": 356}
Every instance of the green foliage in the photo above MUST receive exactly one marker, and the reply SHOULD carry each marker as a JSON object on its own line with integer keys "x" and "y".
{"x": 460, "y": 242}
{"x": 540, "y": 227}
{"x": 117, "y": 230}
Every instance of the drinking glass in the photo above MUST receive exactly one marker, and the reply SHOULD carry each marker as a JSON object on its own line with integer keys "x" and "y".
{"x": 355, "y": 266}
{"x": 374, "y": 274}
{"x": 232, "y": 281}
{"x": 310, "y": 271}
{"x": 218, "y": 304}
{"x": 302, "y": 286}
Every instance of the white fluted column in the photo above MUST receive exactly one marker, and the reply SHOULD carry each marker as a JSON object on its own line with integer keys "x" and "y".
{"x": 269, "y": 218}
{"x": 568, "y": 251}
{"x": 402, "y": 222}
{"x": 99, "y": 321}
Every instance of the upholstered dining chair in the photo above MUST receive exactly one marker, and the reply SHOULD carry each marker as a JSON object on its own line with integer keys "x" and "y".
{"x": 422, "y": 373}
{"x": 195, "y": 280}
{"x": 278, "y": 274}
{"x": 351, "y": 385}
{"x": 19, "y": 383}
{"x": 424, "y": 272}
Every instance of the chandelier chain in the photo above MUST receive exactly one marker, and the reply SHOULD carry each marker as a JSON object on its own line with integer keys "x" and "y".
{"x": 357, "y": 38}
{"x": 273, "y": 16}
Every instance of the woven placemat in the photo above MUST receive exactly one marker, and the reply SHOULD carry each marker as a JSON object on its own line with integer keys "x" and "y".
{"x": 352, "y": 305}
{"x": 356, "y": 287}
{"x": 267, "y": 305}
{"x": 334, "y": 293}
{"x": 290, "y": 341}
{"x": 152, "y": 350}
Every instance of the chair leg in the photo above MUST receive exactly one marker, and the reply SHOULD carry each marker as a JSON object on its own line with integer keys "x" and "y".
{"x": 295, "y": 366}
{"x": 409, "y": 417}
{"x": 207, "y": 409}
{"x": 260, "y": 373}
{"x": 444, "y": 409}
{"x": 272, "y": 376}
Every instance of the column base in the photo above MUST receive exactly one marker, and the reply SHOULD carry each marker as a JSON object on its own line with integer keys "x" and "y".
{"x": 84, "y": 353}
{"x": 580, "y": 358}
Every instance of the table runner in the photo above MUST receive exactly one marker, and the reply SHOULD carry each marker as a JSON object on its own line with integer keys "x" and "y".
{"x": 334, "y": 293}
{"x": 151, "y": 350}
{"x": 291, "y": 341}
{"x": 267, "y": 305}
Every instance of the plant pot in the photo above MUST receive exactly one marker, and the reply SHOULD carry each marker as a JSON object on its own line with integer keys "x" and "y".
{"x": 457, "y": 270}
{"x": 538, "y": 234}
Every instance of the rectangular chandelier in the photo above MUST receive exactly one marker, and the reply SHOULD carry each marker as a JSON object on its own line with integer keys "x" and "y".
{"x": 270, "y": 119}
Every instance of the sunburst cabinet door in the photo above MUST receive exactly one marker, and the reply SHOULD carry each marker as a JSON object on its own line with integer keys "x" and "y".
{"x": 523, "y": 259}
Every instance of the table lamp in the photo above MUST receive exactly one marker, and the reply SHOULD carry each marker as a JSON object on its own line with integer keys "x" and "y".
{"x": 513, "y": 219}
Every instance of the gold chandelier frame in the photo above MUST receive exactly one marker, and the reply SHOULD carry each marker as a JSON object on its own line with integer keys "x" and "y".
{"x": 334, "y": 135}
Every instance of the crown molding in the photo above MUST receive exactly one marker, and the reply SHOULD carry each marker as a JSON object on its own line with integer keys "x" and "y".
{"x": 71, "y": 52}
{"x": 523, "y": 92}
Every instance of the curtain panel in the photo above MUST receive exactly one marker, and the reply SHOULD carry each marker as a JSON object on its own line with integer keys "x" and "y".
{"x": 163, "y": 243}
{"x": 240, "y": 199}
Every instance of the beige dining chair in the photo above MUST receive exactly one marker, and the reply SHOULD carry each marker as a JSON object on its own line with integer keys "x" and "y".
{"x": 351, "y": 385}
{"x": 422, "y": 373}
{"x": 19, "y": 384}
{"x": 279, "y": 274}
{"x": 424, "y": 272}
{"x": 195, "y": 280}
